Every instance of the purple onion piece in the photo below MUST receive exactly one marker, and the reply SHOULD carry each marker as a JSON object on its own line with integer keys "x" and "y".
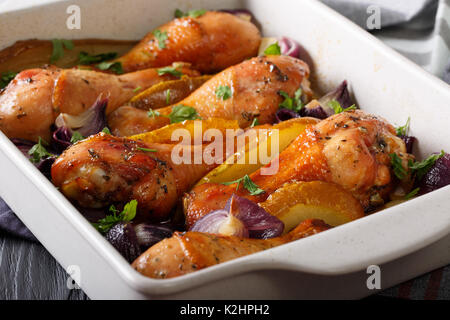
{"x": 315, "y": 112}
{"x": 123, "y": 237}
{"x": 284, "y": 114}
{"x": 23, "y": 145}
{"x": 45, "y": 165}
{"x": 437, "y": 177}
{"x": 149, "y": 234}
{"x": 90, "y": 122}
{"x": 98, "y": 121}
{"x": 409, "y": 142}
{"x": 289, "y": 47}
{"x": 340, "y": 94}
{"x": 260, "y": 223}
{"x": 241, "y": 13}
{"x": 61, "y": 139}
{"x": 214, "y": 221}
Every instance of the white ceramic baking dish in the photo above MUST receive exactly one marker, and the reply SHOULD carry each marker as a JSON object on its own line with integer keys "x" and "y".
{"x": 328, "y": 265}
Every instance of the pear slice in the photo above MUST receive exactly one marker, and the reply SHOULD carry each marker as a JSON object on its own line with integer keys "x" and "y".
{"x": 298, "y": 201}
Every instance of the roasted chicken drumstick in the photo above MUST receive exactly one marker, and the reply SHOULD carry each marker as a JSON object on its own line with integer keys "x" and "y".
{"x": 31, "y": 102}
{"x": 210, "y": 42}
{"x": 351, "y": 149}
{"x": 187, "y": 252}
{"x": 255, "y": 87}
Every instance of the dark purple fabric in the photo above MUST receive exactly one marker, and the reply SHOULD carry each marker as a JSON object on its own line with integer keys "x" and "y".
{"x": 10, "y": 222}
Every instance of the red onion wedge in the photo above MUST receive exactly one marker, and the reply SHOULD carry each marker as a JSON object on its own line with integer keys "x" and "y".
{"x": 90, "y": 122}
{"x": 240, "y": 217}
{"x": 289, "y": 47}
{"x": 437, "y": 177}
{"x": 284, "y": 114}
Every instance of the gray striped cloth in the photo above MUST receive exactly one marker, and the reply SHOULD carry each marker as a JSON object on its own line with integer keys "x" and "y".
{"x": 420, "y": 30}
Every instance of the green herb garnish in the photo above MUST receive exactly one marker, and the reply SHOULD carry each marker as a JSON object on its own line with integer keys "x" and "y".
{"x": 38, "y": 151}
{"x": 295, "y": 104}
{"x": 6, "y": 77}
{"x": 273, "y": 49}
{"x": 255, "y": 122}
{"x": 76, "y": 136}
{"x": 128, "y": 213}
{"x": 181, "y": 112}
{"x": 169, "y": 70}
{"x": 85, "y": 58}
{"x": 116, "y": 67}
{"x": 422, "y": 167}
{"x": 403, "y": 130}
{"x": 412, "y": 194}
{"x": 191, "y": 13}
{"x": 146, "y": 149}
{"x": 161, "y": 36}
{"x": 106, "y": 130}
{"x": 399, "y": 171}
{"x": 136, "y": 89}
{"x": 336, "y": 106}
{"x": 247, "y": 184}
{"x": 298, "y": 99}
{"x": 153, "y": 113}
{"x": 168, "y": 96}
{"x": 223, "y": 92}
{"x": 58, "y": 48}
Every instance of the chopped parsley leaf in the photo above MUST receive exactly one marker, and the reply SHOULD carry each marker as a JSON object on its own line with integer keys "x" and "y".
{"x": 153, "y": 113}
{"x": 403, "y": 130}
{"x": 191, "y": 13}
{"x": 38, "y": 151}
{"x": 336, "y": 106}
{"x": 223, "y": 92}
{"x": 247, "y": 184}
{"x": 128, "y": 213}
{"x": 295, "y": 104}
{"x": 116, "y": 67}
{"x": 399, "y": 171}
{"x": 85, "y": 58}
{"x": 161, "y": 36}
{"x": 169, "y": 70}
{"x": 58, "y": 48}
{"x": 422, "y": 167}
{"x": 6, "y": 77}
{"x": 181, "y": 112}
{"x": 76, "y": 136}
{"x": 168, "y": 96}
{"x": 273, "y": 49}
{"x": 106, "y": 130}
{"x": 146, "y": 149}
{"x": 412, "y": 194}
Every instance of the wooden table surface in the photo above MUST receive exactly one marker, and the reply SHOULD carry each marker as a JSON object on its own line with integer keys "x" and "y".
{"x": 28, "y": 271}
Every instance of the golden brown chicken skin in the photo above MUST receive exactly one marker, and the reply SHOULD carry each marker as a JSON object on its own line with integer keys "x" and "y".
{"x": 350, "y": 149}
{"x": 211, "y": 43}
{"x": 30, "y": 104}
{"x": 104, "y": 169}
{"x": 255, "y": 86}
{"x": 187, "y": 252}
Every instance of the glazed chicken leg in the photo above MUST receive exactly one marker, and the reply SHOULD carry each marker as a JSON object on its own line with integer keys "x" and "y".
{"x": 350, "y": 149}
{"x": 104, "y": 169}
{"x": 210, "y": 42}
{"x": 30, "y": 104}
{"x": 187, "y": 252}
{"x": 255, "y": 92}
